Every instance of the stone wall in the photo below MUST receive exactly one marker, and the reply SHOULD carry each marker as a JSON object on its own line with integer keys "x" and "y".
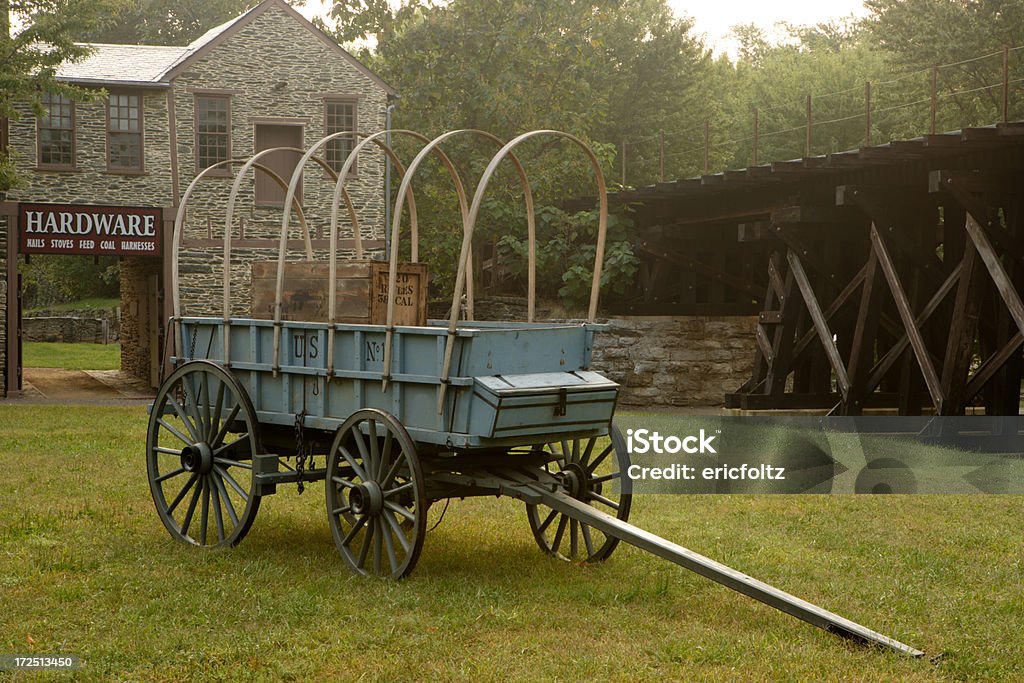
{"x": 67, "y": 329}
{"x": 659, "y": 362}
{"x": 681, "y": 361}
{"x": 90, "y": 182}
{"x": 273, "y": 68}
{"x": 110, "y": 316}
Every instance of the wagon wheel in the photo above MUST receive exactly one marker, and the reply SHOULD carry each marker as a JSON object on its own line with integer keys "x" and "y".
{"x": 199, "y": 453}
{"x": 587, "y": 469}
{"x": 376, "y": 504}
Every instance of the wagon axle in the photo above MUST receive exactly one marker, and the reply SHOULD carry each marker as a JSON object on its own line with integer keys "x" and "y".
{"x": 197, "y": 458}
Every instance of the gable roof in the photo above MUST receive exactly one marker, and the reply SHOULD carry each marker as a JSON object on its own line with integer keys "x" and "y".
{"x": 156, "y": 66}
{"x": 143, "y": 65}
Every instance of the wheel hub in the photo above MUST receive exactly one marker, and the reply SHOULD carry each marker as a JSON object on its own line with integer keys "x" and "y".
{"x": 197, "y": 458}
{"x": 366, "y": 499}
{"x": 576, "y": 480}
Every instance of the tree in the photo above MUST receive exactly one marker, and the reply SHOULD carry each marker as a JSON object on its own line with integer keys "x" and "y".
{"x": 831, "y": 62}
{"x": 165, "y": 22}
{"x": 920, "y": 34}
{"x": 41, "y": 40}
{"x": 603, "y": 70}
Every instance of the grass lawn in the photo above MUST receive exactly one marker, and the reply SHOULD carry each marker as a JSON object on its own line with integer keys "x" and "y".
{"x": 71, "y": 356}
{"x": 86, "y": 568}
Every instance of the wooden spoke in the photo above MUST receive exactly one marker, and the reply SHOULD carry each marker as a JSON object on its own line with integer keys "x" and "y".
{"x": 376, "y": 503}
{"x": 593, "y": 480}
{"x": 197, "y": 430}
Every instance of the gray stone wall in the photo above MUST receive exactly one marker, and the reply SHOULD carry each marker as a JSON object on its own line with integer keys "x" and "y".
{"x": 90, "y": 182}
{"x": 683, "y": 361}
{"x": 67, "y": 329}
{"x": 274, "y": 68}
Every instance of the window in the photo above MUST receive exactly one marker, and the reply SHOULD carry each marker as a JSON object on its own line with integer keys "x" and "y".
{"x": 339, "y": 115}
{"x": 56, "y": 132}
{"x": 124, "y": 132}
{"x": 213, "y": 130}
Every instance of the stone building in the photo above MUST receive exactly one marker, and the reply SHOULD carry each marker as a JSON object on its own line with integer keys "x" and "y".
{"x": 118, "y": 166}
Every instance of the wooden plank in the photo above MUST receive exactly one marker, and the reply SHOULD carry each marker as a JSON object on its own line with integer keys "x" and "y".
{"x": 924, "y": 361}
{"x": 833, "y": 308}
{"x": 764, "y": 345}
{"x": 410, "y": 294}
{"x": 680, "y": 259}
{"x": 782, "y": 346}
{"x": 963, "y": 326}
{"x": 305, "y": 296}
{"x": 996, "y": 270}
{"x": 865, "y": 332}
{"x": 883, "y": 366}
{"x": 774, "y": 280}
{"x": 992, "y": 365}
{"x": 820, "y": 324}
{"x": 769, "y": 317}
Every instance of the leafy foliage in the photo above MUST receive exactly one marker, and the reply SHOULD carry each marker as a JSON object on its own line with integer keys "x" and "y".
{"x": 599, "y": 69}
{"x": 164, "y": 22}
{"x": 49, "y": 279}
{"x": 566, "y": 251}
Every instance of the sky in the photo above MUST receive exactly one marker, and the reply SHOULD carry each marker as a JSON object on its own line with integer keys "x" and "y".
{"x": 714, "y": 18}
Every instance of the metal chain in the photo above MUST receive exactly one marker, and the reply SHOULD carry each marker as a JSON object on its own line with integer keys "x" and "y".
{"x": 192, "y": 346}
{"x": 300, "y": 448}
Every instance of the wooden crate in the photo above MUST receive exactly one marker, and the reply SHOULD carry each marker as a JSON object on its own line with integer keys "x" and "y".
{"x": 362, "y": 291}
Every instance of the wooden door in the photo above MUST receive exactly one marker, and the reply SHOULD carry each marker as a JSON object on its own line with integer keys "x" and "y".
{"x": 268, "y": 192}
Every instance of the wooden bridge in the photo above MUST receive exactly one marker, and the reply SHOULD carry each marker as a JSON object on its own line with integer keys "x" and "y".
{"x": 888, "y": 276}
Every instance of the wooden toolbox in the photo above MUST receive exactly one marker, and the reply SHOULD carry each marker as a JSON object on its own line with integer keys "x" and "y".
{"x": 362, "y": 292}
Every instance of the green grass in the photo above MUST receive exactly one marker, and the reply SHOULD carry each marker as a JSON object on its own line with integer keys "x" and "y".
{"x": 71, "y": 356}
{"x": 86, "y": 568}
{"x": 94, "y": 303}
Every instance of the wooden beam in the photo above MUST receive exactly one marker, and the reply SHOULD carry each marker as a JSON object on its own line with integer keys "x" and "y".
{"x": 963, "y": 327}
{"x": 865, "y": 332}
{"x": 924, "y": 360}
{"x": 680, "y": 259}
{"x": 820, "y": 324}
{"x": 782, "y": 342}
{"x": 1004, "y": 285}
{"x": 883, "y": 366}
{"x": 833, "y": 308}
{"x": 992, "y": 365}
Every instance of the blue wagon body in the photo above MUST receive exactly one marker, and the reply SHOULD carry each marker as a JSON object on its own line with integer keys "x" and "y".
{"x": 511, "y": 383}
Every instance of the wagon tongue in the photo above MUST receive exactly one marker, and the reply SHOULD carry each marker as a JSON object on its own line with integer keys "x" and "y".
{"x": 526, "y": 487}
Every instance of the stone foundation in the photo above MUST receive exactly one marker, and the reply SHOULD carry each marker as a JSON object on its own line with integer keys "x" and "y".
{"x": 679, "y": 361}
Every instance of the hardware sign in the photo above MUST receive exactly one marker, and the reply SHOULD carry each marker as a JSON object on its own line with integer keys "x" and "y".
{"x": 87, "y": 229}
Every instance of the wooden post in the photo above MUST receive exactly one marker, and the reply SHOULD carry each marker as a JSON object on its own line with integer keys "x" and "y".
{"x": 623, "y": 154}
{"x": 867, "y": 113}
{"x": 1006, "y": 84}
{"x": 807, "y": 141}
{"x": 661, "y": 155}
{"x": 707, "y": 147}
{"x": 756, "y": 132}
{"x": 935, "y": 98}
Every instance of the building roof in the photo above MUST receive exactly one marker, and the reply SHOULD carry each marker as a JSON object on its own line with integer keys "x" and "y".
{"x": 123, "y": 65}
{"x": 156, "y": 66}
